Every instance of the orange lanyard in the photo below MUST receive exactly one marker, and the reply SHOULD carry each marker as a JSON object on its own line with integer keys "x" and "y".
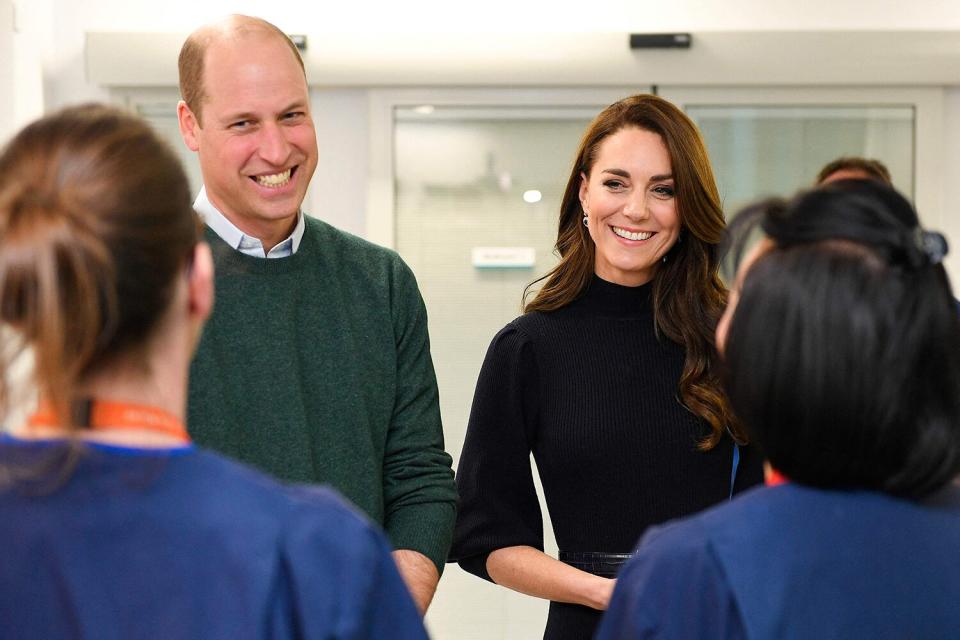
{"x": 120, "y": 416}
{"x": 775, "y": 478}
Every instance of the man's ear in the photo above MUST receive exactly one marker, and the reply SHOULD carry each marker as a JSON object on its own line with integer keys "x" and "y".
{"x": 188, "y": 126}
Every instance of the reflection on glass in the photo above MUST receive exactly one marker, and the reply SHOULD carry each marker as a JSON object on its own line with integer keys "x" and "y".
{"x": 760, "y": 151}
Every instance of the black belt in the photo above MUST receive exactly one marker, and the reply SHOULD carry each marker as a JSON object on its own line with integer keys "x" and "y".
{"x": 598, "y": 563}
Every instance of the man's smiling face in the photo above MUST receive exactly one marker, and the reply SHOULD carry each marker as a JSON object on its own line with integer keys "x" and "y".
{"x": 257, "y": 144}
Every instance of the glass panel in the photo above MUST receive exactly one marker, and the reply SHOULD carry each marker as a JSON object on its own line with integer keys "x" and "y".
{"x": 760, "y": 151}
{"x": 469, "y": 178}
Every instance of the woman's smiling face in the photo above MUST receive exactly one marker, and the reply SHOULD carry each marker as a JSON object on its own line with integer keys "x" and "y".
{"x": 630, "y": 206}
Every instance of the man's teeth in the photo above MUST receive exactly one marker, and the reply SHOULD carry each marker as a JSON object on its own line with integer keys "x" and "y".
{"x": 275, "y": 180}
{"x": 630, "y": 235}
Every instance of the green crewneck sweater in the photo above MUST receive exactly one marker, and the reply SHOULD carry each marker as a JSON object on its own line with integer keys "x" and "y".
{"x": 316, "y": 368}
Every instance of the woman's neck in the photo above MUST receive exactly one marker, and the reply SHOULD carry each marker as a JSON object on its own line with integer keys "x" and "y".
{"x": 157, "y": 384}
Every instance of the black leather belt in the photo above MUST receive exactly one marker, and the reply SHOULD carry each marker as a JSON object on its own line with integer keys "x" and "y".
{"x": 598, "y": 563}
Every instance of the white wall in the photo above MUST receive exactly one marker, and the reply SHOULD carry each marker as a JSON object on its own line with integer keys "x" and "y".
{"x": 6, "y": 69}
{"x": 56, "y": 27}
{"x": 338, "y": 189}
{"x": 951, "y": 181}
{"x": 518, "y": 16}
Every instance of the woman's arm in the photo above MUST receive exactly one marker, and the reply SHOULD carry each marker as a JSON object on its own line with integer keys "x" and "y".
{"x": 534, "y": 573}
{"x": 498, "y": 503}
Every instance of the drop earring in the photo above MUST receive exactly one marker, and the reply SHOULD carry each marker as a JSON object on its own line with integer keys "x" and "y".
{"x": 585, "y": 220}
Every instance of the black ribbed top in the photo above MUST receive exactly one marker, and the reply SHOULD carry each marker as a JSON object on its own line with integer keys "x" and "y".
{"x": 592, "y": 392}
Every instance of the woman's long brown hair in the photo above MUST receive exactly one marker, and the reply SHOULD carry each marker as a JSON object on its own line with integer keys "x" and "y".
{"x": 688, "y": 296}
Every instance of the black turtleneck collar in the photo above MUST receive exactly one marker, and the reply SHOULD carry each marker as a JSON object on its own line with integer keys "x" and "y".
{"x": 616, "y": 300}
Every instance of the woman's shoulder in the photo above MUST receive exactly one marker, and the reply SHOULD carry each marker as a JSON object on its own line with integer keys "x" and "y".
{"x": 324, "y": 506}
{"x": 523, "y": 333}
{"x": 259, "y": 495}
{"x": 534, "y": 325}
{"x": 535, "y": 332}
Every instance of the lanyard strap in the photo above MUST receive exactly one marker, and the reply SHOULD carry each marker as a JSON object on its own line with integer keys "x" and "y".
{"x": 733, "y": 467}
{"x": 104, "y": 415}
{"x": 775, "y": 477}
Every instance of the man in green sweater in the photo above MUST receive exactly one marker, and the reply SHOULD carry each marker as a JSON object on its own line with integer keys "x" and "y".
{"x": 315, "y": 365}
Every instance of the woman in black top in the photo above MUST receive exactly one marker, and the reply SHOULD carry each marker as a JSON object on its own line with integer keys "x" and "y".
{"x": 609, "y": 378}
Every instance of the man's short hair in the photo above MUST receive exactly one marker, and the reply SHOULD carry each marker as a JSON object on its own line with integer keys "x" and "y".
{"x": 872, "y": 168}
{"x": 194, "y": 51}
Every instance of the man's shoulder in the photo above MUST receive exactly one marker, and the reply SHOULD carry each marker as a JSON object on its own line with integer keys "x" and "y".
{"x": 343, "y": 243}
{"x": 360, "y": 265}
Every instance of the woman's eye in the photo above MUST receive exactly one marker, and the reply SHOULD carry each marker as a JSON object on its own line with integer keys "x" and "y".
{"x": 663, "y": 191}
{"x": 614, "y": 184}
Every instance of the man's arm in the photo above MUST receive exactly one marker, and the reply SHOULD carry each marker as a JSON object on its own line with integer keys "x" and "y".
{"x": 420, "y": 575}
{"x": 419, "y": 492}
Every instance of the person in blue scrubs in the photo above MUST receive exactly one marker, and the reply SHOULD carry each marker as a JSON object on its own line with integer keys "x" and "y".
{"x": 113, "y": 525}
{"x": 843, "y": 351}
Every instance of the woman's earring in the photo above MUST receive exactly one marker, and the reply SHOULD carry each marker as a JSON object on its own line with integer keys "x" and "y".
{"x": 585, "y": 220}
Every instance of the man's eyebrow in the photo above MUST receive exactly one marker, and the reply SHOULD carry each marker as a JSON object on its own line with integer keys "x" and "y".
{"x": 294, "y": 106}
{"x": 234, "y": 117}
{"x": 249, "y": 115}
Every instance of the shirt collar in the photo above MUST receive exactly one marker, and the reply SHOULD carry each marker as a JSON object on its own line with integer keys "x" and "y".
{"x": 240, "y": 241}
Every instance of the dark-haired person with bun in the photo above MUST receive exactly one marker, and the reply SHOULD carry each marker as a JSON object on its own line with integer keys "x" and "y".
{"x": 113, "y": 525}
{"x": 843, "y": 353}
{"x": 610, "y": 377}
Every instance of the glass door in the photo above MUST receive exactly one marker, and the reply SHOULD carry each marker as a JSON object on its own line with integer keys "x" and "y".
{"x": 773, "y": 141}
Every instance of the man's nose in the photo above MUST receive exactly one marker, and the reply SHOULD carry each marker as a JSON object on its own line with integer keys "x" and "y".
{"x": 274, "y": 147}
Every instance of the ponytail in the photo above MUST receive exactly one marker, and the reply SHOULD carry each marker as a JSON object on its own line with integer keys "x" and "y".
{"x": 95, "y": 225}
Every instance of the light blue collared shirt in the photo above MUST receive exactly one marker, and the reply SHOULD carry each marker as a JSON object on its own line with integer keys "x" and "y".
{"x": 238, "y": 239}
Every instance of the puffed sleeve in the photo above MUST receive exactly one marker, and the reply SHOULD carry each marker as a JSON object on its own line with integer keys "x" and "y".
{"x": 339, "y": 579}
{"x": 498, "y": 501}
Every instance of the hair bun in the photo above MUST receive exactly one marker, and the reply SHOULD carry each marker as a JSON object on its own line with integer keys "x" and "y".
{"x": 933, "y": 245}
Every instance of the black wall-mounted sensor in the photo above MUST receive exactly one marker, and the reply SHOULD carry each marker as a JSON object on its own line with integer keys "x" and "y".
{"x": 300, "y": 42}
{"x": 660, "y": 40}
